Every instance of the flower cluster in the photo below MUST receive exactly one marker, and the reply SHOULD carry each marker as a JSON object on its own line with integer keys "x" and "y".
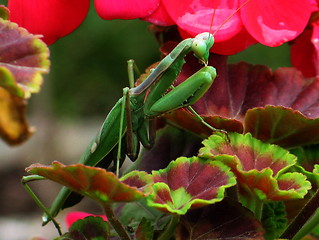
{"x": 238, "y": 23}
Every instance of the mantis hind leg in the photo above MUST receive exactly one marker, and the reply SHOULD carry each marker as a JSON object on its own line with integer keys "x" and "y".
{"x": 132, "y": 146}
{"x": 30, "y": 178}
{"x": 192, "y": 110}
{"x": 131, "y": 137}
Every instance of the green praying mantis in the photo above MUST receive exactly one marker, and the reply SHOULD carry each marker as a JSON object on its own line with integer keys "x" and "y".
{"x": 132, "y": 114}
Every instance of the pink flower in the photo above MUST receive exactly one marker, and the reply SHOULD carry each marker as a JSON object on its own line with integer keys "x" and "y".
{"x": 74, "y": 216}
{"x": 51, "y": 18}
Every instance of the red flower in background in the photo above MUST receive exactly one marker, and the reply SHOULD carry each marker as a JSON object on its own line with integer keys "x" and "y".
{"x": 305, "y": 51}
{"x": 149, "y": 10}
{"x": 271, "y": 22}
{"x": 74, "y": 216}
{"x": 51, "y": 18}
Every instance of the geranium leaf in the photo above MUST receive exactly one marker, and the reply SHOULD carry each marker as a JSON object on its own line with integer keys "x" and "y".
{"x": 250, "y": 152}
{"x": 185, "y": 120}
{"x": 89, "y": 228}
{"x": 279, "y": 107}
{"x": 258, "y": 166}
{"x": 282, "y": 126}
{"x": 24, "y": 58}
{"x": 138, "y": 179}
{"x": 308, "y": 160}
{"x": 170, "y": 144}
{"x": 224, "y": 220}
{"x": 4, "y": 12}
{"x": 145, "y": 230}
{"x": 189, "y": 182}
{"x": 95, "y": 183}
{"x": 274, "y": 219}
{"x": 308, "y": 156}
{"x": 141, "y": 210}
{"x": 14, "y": 128}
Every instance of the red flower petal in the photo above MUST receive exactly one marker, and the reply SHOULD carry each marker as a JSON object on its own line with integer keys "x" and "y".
{"x": 72, "y": 217}
{"x": 51, "y": 18}
{"x": 239, "y": 42}
{"x": 195, "y": 16}
{"x": 160, "y": 17}
{"x": 274, "y": 22}
{"x": 305, "y": 52}
{"x": 125, "y": 9}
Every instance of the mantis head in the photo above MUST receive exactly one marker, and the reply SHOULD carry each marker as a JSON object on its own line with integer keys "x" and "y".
{"x": 201, "y": 45}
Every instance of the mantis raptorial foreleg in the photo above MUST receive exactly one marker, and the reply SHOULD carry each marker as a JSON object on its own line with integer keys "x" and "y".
{"x": 134, "y": 110}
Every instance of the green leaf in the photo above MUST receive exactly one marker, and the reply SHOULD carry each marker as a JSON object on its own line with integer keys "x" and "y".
{"x": 188, "y": 183}
{"x": 274, "y": 219}
{"x": 316, "y": 169}
{"x": 93, "y": 182}
{"x": 141, "y": 210}
{"x": 308, "y": 160}
{"x": 4, "y": 12}
{"x": 145, "y": 230}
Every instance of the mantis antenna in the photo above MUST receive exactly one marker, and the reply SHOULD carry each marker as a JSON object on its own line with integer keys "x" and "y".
{"x": 211, "y": 35}
{"x": 229, "y": 17}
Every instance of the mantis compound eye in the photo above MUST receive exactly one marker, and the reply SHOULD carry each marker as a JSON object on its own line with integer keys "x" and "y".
{"x": 201, "y": 45}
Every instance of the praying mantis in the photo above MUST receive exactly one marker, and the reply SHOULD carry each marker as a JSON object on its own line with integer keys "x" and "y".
{"x": 132, "y": 113}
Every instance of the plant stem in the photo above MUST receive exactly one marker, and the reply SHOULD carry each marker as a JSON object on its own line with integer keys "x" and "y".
{"x": 118, "y": 227}
{"x": 306, "y": 220}
{"x": 310, "y": 224}
{"x": 258, "y": 208}
{"x": 170, "y": 228}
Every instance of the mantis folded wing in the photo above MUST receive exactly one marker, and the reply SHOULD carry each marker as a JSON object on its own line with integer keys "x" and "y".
{"x": 131, "y": 114}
